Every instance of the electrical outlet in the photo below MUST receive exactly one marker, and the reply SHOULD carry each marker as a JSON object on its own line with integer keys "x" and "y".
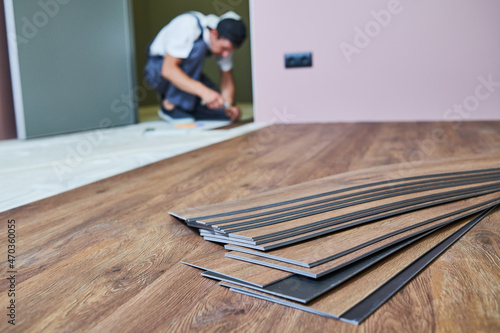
{"x": 303, "y": 59}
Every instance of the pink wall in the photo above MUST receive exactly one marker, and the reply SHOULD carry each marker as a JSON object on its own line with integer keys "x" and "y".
{"x": 7, "y": 120}
{"x": 429, "y": 61}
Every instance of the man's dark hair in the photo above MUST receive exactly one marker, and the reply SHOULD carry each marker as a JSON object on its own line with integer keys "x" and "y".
{"x": 234, "y": 30}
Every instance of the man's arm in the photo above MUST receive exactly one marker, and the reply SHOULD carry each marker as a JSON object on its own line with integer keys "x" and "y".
{"x": 171, "y": 71}
{"x": 227, "y": 86}
{"x": 227, "y": 91}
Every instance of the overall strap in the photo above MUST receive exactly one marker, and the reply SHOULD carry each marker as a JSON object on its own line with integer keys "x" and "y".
{"x": 200, "y": 37}
{"x": 199, "y": 24}
{"x": 208, "y": 52}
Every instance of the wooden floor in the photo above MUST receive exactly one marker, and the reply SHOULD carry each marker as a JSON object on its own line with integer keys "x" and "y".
{"x": 106, "y": 257}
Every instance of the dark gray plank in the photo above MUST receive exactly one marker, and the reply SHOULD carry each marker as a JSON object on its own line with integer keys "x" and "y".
{"x": 363, "y": 309}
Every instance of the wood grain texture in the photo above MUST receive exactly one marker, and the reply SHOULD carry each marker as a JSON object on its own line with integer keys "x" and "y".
{"x": 229, "y": 224}
{"x": 303, "y": 289}
{"x": 319, "y": 250}
{"x": 270, "y": 220}
{"x": 365, "y": 209}
{"x": 383, "y": 176}
{"x": 293, "y": 237}
{"x": 338, "y": 262}
{"x": 332, "y": 265}
{"x": 345, "y": 296}
{"x": 370, "y": 303}
{"x": 106, "y": 257}
{"x": 258, "y": 275}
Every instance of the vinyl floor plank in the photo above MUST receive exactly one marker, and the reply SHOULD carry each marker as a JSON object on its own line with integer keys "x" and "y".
{"x": 358, "y": 309}
{"x": 382, "y": 174}
{"x": 264, "y": 277}
{"x": 347, "y": 259}
{"x": 319, "y": 250}
{"x": 341, "y": 299}
{"x": 365, "y": 209}
{"x": 304, "y": 289}
{"x": 256, "y": 275}
{"x": 293, "y": 237}
{"x": 372, "y": 302}
{"x": 241, "y": 221}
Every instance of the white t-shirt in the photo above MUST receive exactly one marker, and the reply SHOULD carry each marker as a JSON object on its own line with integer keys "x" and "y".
{"x": 177, "y": 38}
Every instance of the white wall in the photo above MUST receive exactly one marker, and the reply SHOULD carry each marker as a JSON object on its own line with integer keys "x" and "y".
{"x": 425, "y": 60}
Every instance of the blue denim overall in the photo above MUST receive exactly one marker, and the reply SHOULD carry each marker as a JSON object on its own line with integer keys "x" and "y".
{"x": 192, "y": 66}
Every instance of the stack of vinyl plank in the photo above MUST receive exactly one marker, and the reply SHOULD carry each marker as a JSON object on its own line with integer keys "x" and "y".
{"x": 340, "y": 246}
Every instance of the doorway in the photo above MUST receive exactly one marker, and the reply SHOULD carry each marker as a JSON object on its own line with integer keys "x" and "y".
{"x": 150, "y": 16}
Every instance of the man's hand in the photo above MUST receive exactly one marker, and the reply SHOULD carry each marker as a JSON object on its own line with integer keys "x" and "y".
{"x": 233, "y": 112}
{"x": 172, "y": 72}
{"x": 212, "y": 99}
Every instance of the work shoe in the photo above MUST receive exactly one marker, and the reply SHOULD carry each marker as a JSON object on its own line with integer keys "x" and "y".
{"x": 176, "y": 116}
